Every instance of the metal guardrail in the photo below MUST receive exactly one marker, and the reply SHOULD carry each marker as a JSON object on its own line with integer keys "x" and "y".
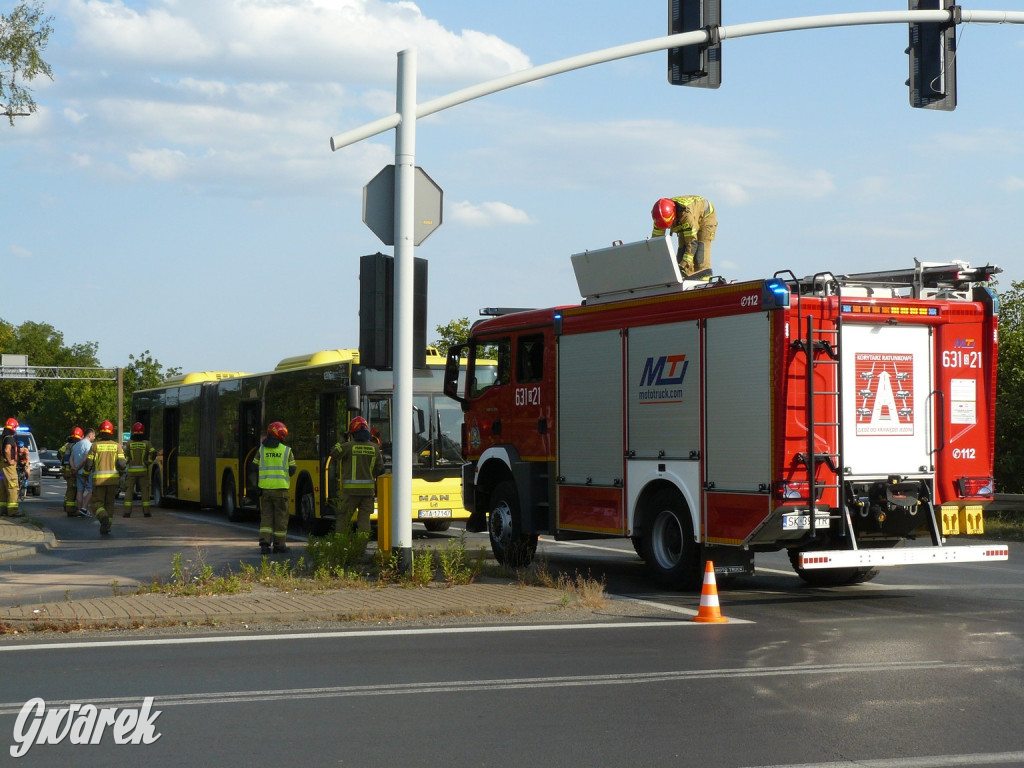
{"x": 1007, "y": 502}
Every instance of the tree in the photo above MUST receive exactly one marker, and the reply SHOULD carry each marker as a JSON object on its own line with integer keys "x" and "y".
{"x": 23, "y": 36}
{"x": 143, "y": 372}
{"x": 1009, "y": 459}
{"x": 455, "y": 332}
{"x": 52, "y": 407}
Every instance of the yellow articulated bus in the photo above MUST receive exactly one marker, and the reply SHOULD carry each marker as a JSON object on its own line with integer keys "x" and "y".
{"x": 206, "y": 428}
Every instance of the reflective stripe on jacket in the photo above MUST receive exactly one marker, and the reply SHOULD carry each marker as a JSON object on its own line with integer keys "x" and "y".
{"x": 105, "y": 462}
{"x": 274, "y": 464}
{"x": 140, "y": 456}
{"x": 363, "y": 468}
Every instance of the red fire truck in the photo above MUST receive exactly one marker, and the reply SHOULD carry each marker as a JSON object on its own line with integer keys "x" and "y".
{"x": 848, "y": 419}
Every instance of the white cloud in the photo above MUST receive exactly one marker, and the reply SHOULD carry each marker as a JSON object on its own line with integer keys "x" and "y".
{"x": 163, "y": 164}
{"x": 487, "y": 214}
{"x": 20, "y": 253}
{"x": 1012, "y": 184}
{"x": 314, "y": 40}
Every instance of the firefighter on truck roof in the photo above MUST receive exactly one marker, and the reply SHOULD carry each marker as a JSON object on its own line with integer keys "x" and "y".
{"x": 692, "y": 218}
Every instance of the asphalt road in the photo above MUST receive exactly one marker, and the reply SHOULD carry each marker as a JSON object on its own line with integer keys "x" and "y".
{"x": 922, "y": 667}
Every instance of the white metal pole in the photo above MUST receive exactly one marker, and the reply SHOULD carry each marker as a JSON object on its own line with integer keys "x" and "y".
{"x": 401, "y": 412}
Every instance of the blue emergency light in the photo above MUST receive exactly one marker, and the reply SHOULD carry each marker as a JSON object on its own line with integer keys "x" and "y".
{"x": 775, "y": 294}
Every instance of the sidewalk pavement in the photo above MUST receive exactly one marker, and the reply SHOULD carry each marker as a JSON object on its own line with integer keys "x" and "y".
{"x": 19, "y": 537}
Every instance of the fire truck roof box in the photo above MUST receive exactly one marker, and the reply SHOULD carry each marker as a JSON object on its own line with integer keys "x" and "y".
{"x": 643, "y": 268}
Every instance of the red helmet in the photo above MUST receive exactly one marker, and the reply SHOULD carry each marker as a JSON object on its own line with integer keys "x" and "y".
{"x": 664, "y": 213}
{"x": 278, "y": 430}
{"x": 12, "y": 424}
{"x": 356, "y": 424}
{"x": 138, "y": 428}
{"x": 77, "y": 432}
{"x": 106, "y": 428}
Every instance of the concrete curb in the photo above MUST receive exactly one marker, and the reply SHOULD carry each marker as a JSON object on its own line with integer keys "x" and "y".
{"x": 20, "y": 538}
{"x": 265, "y": 604}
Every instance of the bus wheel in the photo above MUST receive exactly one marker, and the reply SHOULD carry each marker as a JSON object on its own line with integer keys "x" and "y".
{"x": 513, "y": 549}
{"x": 310, "y": 523}
{"x": 668, "y": 548}
{"x": 229, "y": 501}
{"x": 437, "y": 526}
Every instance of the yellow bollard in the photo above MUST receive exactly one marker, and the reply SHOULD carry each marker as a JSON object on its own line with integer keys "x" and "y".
{"x": 384, "y": 513}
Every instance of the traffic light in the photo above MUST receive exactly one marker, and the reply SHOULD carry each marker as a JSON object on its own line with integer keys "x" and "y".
{"x": 377, "y": 308}
{"x": 933, "y": 57}
{"x": 698, "y": 65}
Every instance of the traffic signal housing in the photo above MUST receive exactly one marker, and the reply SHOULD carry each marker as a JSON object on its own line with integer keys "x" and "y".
{"x": 697, "y": 65}
{"x": 932, "y": 53}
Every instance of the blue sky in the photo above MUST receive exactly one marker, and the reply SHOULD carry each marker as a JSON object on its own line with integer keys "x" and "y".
{"x": 176, "y": 191}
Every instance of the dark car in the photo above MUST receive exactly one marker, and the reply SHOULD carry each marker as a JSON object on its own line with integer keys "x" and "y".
{"x": 51, "y": 463}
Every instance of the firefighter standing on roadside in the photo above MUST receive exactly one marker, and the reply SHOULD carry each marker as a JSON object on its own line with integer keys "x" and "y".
{"x": 360, "y": 463}
{"x": 71, "y": 493}
{"x": 104, "y": 466}
{"x": 140, "y": 454}
{"x": 276, "y": 464}
{"x": 693, "y": 219}
{"x": 9, "y": 466}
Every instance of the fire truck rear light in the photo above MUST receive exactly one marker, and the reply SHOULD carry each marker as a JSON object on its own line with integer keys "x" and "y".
{"x": 974, "y": 486}
{"x": 792, "y": 490}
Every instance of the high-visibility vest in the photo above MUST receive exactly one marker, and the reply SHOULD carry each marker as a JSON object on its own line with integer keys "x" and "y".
{"x": 274, "y": 464}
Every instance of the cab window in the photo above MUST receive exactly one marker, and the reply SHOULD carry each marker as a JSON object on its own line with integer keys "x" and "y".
{"x": 530, "y": 358}
{"x": 498, "y": 352}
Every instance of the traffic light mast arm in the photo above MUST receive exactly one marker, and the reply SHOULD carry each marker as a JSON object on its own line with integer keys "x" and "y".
{"x": 696, "y": 37}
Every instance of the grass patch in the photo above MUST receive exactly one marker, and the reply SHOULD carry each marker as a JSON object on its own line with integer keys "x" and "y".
{"x": 1007, "y": 525}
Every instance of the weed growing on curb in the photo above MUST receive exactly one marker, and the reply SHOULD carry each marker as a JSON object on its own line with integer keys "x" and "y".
{"x": 422, "y": 571}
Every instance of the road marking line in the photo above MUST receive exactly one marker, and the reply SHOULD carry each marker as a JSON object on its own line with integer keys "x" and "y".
{"x": 931, "y": 761}
{"x": 522, "y": 683}
{"x": 654, "y": 623}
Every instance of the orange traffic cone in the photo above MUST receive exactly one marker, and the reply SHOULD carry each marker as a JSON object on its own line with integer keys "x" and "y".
{"x": 709, "y": 610}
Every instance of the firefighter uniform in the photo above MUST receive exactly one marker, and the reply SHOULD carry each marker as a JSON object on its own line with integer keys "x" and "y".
{"x": 104, "y": 466}
{"x": 9, "y": 466}
{"x": 71, "y": 491}
{"x": 140, "y": 454}
{"x": 695, "y": 222}
{"x": 360, "y": 463}
{"x": 276, "y": 464}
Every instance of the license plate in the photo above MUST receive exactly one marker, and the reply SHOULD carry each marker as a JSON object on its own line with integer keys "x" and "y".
{"x": 802, "y": 522}
{"x": 434, "y": 513}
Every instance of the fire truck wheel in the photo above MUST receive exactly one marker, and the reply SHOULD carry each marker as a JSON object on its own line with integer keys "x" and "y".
{"x": 638, "y": 545}
{"x": 511, "y": 549}
{"x": 668, "y": 547}
{"x": 831, "y": 577}
{"x": 437, "y": 526}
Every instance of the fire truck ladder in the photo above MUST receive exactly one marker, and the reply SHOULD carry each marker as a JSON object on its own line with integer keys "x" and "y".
{"x": 821, "y": 346}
